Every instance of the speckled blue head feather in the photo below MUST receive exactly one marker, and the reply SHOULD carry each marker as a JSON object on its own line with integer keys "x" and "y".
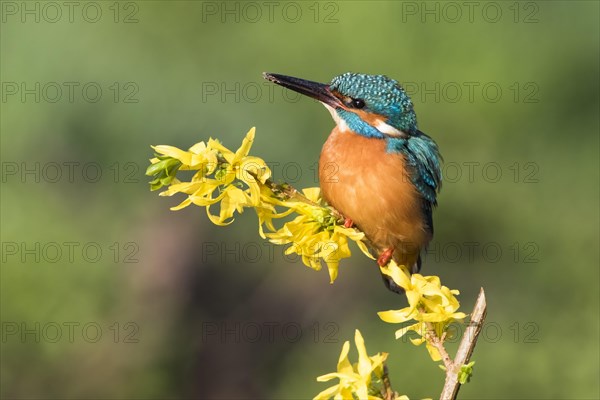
{"x": 382, "y": 96}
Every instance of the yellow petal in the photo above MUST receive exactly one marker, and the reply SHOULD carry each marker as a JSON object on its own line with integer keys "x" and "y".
{"x": 181, "y": 205}
{"x": 459, "y": 315}
{"x": 350, "y": 232}
{"x": 198, "y": 148}
{"x": 413, "y": 298}
{"x": 363, "y": 247}
{"x": 225, "y": 152}
{"x": 332, "y": 268}
{"x": 245, "y": 147}
{"x": 174, "y": 152}
{"x": 183, "y": 187}
{"x": 377, "y": 364}
{"x": 433, "y": 352}
{"x": 328, "y": 377}
{"x": 327, "y": 393}
{"x": 397, "y": 316}
{"x": 362, "y": 391}
{"x": 266, "y": 215}
{"x": 205, "y": 199}
{"x": 312, "y": 262}
{"x": 341, "y": 246}
{"x": 417, "y": 341}
{"x": 344, "y": 365}
{"x": 399, "y": 275}
{"x": 229, "y": 203}
{"x": 364, "y": 362}
{"x": 402, "y": 331}
{"x": 234, "y": 199}
{"x": 313, "y": 193}
{"x": 216, "y": 219}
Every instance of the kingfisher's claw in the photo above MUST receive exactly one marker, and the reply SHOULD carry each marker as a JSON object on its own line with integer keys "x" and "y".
{"x": 385, "y": 257}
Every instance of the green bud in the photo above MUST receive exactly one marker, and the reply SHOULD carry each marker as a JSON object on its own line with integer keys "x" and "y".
{"x": 220, "y": 174}
{"x": 464, "y": 375}
{"x": 154, "y": 169}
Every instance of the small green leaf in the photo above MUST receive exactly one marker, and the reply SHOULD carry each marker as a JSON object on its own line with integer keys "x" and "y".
{"x": 166, "y": 180}
{"x": 156, "y": 168}
{"x": 163, "y": 172}
{"x": 464, "y": 375}
{"x": 172, "y": 164}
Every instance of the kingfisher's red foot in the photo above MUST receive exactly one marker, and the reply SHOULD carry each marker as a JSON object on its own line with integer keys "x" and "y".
{"x": 385, "y": 257}
{"x": 348, "y": 223}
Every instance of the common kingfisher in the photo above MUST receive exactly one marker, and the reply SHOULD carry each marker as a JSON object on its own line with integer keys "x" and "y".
{"x": 376, "y": 167}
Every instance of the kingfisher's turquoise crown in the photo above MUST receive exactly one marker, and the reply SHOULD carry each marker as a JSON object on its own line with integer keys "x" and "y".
{"x": 381, "y": 95}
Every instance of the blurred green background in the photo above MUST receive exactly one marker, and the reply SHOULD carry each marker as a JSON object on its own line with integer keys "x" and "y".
{"x": 108, "y": 294}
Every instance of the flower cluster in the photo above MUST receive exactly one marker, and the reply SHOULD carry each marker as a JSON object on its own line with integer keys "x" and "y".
{"x": 432, "y": 305}
{"x": 360, "y": 380}
{"x": 237, "y": 181}
{"x": 315, "y": 233}
{"x": 235, "y": 176}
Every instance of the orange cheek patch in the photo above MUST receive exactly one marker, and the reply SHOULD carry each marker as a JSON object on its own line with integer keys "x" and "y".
{"x": 370, "y": 118}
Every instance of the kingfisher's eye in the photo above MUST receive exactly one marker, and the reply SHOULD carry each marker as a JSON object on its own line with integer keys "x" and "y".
{"x": 358, "y": 103}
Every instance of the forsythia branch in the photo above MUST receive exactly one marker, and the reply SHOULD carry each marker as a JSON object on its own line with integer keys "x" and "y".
{"x": 285, "y": 191}
{"x": 465, "y": 349}
{"x": 388, "y": 392}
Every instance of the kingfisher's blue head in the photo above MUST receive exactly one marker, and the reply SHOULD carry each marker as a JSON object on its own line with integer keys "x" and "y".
{"x": 371, "y": 105}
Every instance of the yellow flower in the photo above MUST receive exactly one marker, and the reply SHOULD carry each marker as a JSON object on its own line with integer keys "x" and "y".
{"x": 232, "y": 199}
{"x": 355, "y": 380}
{"x": 437, "y": 303}
{"x": 429, "y": 302}
{"x": 253, "y": 171}
{"x": 199, "y": 157}
{"x": 401, "y": 276}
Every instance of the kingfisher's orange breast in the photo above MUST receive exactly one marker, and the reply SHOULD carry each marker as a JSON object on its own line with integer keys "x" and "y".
{"x": 372, "y": 188}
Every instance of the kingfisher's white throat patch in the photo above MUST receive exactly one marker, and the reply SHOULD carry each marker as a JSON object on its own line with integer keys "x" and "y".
{"x": 389, "y": 130}
{"x": 342, "y": 125}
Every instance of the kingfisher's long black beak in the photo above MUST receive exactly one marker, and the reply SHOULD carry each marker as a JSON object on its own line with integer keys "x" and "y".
{"x": 316, "y": 90}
